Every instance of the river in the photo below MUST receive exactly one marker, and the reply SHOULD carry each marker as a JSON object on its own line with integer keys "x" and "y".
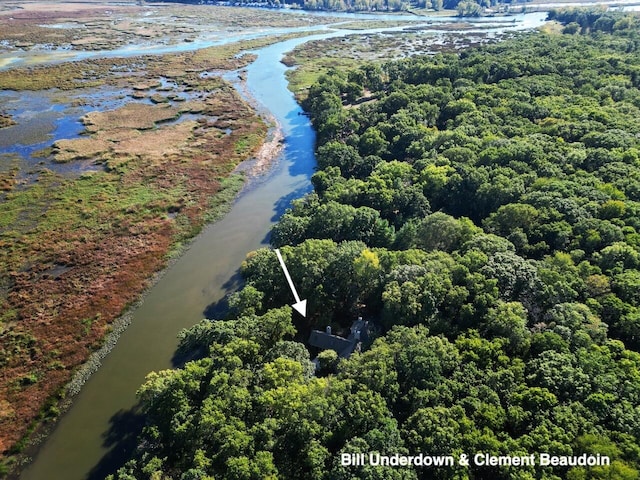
{"x": 98, "y": 431}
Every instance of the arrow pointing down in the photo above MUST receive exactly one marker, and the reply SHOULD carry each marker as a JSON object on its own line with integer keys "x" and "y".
{"x": 300, "y": 305}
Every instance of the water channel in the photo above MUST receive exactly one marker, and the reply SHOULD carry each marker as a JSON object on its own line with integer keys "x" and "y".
{"x": 91, "y": 439}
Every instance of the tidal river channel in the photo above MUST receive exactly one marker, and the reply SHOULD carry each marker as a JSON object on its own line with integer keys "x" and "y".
{"x": 91, "y": 439}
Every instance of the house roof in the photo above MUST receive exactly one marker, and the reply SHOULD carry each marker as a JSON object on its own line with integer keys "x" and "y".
{"x": 343, "y": 346}
{"x": 326, "y": 341}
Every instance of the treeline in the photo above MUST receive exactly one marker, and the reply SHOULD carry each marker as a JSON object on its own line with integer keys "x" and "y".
{"x": 464, "y": 7}
{"x": 482, "y": 210}
{"x": 595, "y": 19}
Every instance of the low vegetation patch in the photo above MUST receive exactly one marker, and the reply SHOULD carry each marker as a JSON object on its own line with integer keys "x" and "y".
{"x": 6, "y": 120}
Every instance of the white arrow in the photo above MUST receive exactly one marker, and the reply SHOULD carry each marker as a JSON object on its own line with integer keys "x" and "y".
{"x": 300, "y": 305}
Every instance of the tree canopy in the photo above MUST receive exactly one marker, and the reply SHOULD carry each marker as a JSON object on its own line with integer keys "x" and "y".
{"x": 482, "y": 212}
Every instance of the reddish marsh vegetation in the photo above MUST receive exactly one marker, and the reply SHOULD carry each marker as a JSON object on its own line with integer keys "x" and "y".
{"x": 74, "y": 252}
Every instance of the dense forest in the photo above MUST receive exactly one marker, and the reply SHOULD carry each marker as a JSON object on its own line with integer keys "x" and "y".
{"x": 482, "y": 212}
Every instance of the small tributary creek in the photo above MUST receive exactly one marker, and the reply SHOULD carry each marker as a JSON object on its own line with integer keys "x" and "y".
{"x": 93, "y": 437}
